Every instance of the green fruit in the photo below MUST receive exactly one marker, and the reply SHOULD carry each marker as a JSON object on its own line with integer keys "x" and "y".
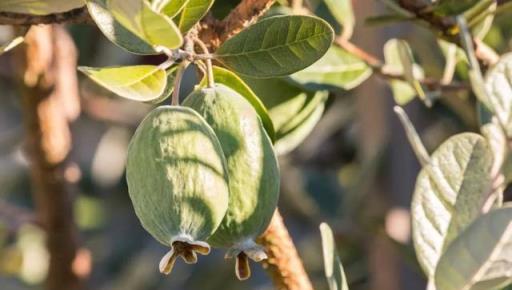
{"x": 252, "y": 168}
{"x": 177, "y": 181}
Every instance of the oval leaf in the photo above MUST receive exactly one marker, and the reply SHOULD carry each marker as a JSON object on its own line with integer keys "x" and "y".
{"x": 480, "y": 258}
{"x": 139, "y": 18}
{"x": 277, "y": 46}
{"x": 403, "y": 91}
{"x": 332, "y": 265}
{"x": 449, "y": 194}
{"x": 114, "y": 31}
{"x": 288, "y": 142}
{"x": 498, "y": 83}
{"x": 144, "y": 83}
{"x": 344, "y": 14}
{"x": 192, "y": 12}
{"x": 169, "y": 8}
{"x": 294, "y": 112}
{"x": 231, "y": 80}
{"x": 336, "y": 69}
{"x": 38, "y": 7}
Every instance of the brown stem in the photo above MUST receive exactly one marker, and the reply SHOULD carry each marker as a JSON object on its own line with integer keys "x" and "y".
{"x": 213, "y": 32}
{"x": 283, "y": 264}
{"x": 378, "y": 67}
{"x": 79, "y": 15}
{"x": 47, "y": 77}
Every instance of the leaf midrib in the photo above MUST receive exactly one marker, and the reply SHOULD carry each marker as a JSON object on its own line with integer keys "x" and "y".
{"x": 293, "y": 43}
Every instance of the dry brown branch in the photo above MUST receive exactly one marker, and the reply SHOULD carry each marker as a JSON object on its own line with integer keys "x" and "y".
{"x": 49, "y": 100}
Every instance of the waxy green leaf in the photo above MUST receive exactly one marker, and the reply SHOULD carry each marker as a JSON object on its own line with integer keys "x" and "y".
{"x": 151, "y": 26}
{"x": 143, "y": 83}
{"x": 232, "y": 81}
{"x": 277, "y": 46}
{"x": 449, "y": 194}
{"x": 336, "y": 69}
{"x": 192, "y": 12}
{"x": 38, "y": 7}
{"x": 116, "y": 32}
{"x": 332, "y": 265}
{"x": 480, "y": 258}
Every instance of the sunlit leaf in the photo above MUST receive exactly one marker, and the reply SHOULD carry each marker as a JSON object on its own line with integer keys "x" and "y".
{"x": 480, "y": 258}
{"x": 332, "y": 265}
{"x": 407, "y": 61}
{"x": 231, "y": 80}
{"x": 38, "y": 7}
{"x": 169, "y": 8}
{"x": 192, "y": 12}
{"x": 336, "y": 69}
{"x": 480, "y": 17}
{"x": 114, "y": 31}
{"x": 277, "y": 46}
{"x": 474, "y": 73}
{"x": 174, "y": 7}
{"x": 144, "y": 83}
{"x": 498, "y": 83}
{"x": 403, "y": 91}
{"x": 149, "y": 25}
{"x": 344, "y": 14}
{"x": 449, "y": 194}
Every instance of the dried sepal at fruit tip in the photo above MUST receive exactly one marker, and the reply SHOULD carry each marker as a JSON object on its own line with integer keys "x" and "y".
{"x": 185, "y": 248}
{"x": 177, "y": 181}
{"x": 242, "y": 252}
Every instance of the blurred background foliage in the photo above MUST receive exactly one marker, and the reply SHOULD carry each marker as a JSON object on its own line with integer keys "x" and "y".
{"x": 354, "y": 171}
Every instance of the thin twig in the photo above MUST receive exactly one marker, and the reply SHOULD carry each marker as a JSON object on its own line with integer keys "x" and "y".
{"x": 175, "y": 99}
{"x": 379, "y": 68}
{"x": 209, "y": 66}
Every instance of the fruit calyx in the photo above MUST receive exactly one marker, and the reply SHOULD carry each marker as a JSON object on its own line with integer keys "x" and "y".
{"x": 184, "y": 247}
{"x": 244, "y": 251}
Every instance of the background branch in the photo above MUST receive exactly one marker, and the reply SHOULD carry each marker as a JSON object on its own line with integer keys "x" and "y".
{"x": 47, "y": 74}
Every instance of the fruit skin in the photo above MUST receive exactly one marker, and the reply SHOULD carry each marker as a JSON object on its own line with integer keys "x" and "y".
{"x": 252, "y": 167}
{"x": 177, "y": 178}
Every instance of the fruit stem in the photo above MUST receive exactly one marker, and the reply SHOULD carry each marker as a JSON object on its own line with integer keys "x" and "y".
{"x": 209, "y": 66}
